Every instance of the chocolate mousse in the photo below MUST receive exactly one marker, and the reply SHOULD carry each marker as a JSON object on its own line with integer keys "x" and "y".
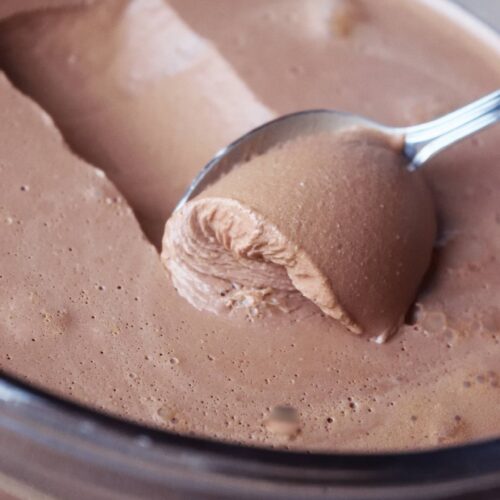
{"x": 136, "y": 92}
{"x": 147, "y": 91}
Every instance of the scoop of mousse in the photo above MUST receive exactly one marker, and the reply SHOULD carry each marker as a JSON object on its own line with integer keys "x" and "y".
{"x": 332, "y": 218}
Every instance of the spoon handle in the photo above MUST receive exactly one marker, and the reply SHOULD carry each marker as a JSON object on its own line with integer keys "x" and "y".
{"x": 425, "y": 140}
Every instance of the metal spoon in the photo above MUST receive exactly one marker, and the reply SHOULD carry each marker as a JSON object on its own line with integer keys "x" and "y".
{"x": 420, "y": 142}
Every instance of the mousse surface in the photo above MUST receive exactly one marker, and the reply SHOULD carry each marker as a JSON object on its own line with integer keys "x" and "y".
{"x": 135, "y": 91}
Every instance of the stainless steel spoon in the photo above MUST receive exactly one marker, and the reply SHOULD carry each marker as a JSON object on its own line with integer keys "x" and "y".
{"x": 420, "y": 142}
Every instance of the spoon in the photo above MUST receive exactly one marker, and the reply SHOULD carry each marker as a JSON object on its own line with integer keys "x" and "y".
{"x": 420, "y": 142}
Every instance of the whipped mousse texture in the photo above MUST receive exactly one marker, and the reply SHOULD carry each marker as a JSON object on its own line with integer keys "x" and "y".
{"x": 332, "y": 218}
{"x": 145, "y": 92}
{"x": 136, "y": 91}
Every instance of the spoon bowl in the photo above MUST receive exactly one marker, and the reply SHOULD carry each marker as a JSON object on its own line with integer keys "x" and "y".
{"x": 419, "y": 142}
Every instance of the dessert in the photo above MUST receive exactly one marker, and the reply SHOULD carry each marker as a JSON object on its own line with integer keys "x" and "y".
{"x": 86, "y": 308}
{"x": 333, "y": 218}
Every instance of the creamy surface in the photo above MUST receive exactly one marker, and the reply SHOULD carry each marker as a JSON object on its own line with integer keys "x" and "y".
{"x": 86, "y": 309}
{"x": 136, "y": 92}
{"x": 334, "y": 219}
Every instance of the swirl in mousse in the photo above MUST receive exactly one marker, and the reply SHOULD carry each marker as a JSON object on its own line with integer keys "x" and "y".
{"x": 334, "y": 219}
